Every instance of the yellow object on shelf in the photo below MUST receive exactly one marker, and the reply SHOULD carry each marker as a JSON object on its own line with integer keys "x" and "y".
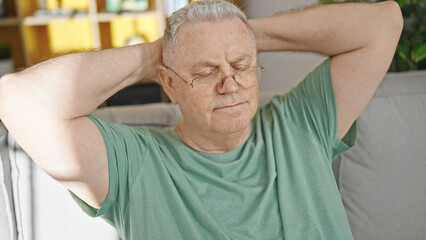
{"x": 52, "y": 4}
{"x": 123, "y": 28}
{"x": 75, "y": 4}
{"x": 70, "y": 35}
{"x": 68, "y": 4}
{"x": 148, "y": 27}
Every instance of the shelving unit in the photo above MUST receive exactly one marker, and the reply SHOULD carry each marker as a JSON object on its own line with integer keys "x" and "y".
{"x": 9, "y": 21}
{"x": 29, "y": 38}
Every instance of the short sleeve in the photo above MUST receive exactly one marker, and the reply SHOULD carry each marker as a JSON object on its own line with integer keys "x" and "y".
{"x": 125, "y": 148}
{"x": 311, "y": 105}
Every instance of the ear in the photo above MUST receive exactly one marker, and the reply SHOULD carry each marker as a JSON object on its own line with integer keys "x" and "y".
{"x": 167, "y": 83}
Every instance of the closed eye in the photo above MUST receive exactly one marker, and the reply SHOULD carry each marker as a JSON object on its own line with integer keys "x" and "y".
{"x": 241, "y": 67}
{"x": 206, "y": 73}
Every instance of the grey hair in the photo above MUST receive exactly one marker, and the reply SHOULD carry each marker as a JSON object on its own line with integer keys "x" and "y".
{"x": 198, "y": 11}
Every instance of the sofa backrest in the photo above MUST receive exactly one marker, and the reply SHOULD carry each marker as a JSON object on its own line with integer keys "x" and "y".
{"x": 382, "y": 180}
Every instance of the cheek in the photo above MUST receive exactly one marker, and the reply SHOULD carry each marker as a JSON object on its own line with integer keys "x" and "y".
{"x": 253, "y": 94}
{"x": 255, "y": 99}
{"x": 194, "y": 108}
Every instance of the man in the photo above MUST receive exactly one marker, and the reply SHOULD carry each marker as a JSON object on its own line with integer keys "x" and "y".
{"x": 226, "y": 171}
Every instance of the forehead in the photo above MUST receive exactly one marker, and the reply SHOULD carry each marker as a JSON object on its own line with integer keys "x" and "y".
{"x": 225, "y": 40}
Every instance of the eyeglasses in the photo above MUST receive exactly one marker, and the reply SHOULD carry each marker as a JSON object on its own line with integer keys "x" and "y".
{"x": 245, "y": 76}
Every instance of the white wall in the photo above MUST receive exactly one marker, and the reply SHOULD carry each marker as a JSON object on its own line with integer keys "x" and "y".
{"x": 284, "y": 70}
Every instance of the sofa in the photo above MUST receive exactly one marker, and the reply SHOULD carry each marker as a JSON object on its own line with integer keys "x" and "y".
{"x": 382, "y": 180}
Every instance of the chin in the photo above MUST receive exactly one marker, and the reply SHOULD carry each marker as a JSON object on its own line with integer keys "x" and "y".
{"x": 229, "y": 125}
{"x": 232, "y": 120}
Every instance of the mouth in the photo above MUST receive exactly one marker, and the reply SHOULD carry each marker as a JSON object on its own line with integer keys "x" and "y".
{"x": 230, "y": 106}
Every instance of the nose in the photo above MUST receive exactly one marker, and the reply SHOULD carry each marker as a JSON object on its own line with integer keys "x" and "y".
{"x": 228, "y": 85}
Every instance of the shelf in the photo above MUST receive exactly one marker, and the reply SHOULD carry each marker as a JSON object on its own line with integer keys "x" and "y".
{"x": 9, "y": 21}
{"x": 108, "y": 17}
{"x": 153, "y": 5}
{"x": 36, "y": 36}
{"x": 42, "y": 21}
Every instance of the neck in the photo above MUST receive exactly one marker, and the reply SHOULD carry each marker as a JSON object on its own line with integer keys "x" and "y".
{"x": 212, "y": 141}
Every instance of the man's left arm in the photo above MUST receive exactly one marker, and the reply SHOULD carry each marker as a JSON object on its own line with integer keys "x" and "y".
{"x": 360, "y": 37}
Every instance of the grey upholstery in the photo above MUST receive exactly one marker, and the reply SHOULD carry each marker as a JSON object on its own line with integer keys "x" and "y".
{"x": 7, "y": 216}
{"x": 382, "y": 180}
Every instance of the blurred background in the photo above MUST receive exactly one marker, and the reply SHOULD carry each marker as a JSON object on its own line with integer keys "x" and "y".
{"x": 32, "y": 31}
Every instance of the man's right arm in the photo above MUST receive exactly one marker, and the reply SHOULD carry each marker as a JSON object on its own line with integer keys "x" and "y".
{"x": 44, "y": 108}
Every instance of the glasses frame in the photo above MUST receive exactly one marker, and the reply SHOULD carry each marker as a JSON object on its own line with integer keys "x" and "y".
{"x": 191, "y": 83}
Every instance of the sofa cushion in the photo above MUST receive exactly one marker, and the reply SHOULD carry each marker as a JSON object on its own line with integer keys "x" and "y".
{"x": 7, "y": 215}
{"x": 382, "y": 180}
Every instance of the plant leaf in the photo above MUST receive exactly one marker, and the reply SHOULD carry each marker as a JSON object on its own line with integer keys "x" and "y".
{"x": 417, "y": 39}
{"x": 420, "y": 1}
{"x": 401, "y": 2}
{"x": 419, "y": 53}
{"x": 403, "y": 51}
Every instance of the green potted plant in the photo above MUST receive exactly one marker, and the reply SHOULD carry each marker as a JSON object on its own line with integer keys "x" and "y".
{"x": 410, "y": 54}
{"x": 6, "y": 64}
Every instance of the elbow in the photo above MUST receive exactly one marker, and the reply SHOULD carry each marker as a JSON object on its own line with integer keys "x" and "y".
{"x": 5, "y": 82}
{"x": 394, "y": 18}
{"x": 397, "y": 16}
{"x": 388, "y": 23}
{"x": 6, "y": 79}
{"x": 6, "y": 93}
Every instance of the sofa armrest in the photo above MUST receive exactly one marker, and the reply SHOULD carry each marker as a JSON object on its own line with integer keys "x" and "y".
{"x": 7, "y": 216}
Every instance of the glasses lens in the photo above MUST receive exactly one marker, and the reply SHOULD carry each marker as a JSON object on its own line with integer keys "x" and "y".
{"x": 245, "y": 78}
{"x": 206, "y": 83}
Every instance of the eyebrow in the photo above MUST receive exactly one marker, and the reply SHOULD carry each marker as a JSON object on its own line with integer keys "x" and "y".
{"x": 203, "y": 63}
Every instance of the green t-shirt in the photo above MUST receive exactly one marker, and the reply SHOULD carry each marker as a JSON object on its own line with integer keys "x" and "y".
{"x": 278, "y": 185}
